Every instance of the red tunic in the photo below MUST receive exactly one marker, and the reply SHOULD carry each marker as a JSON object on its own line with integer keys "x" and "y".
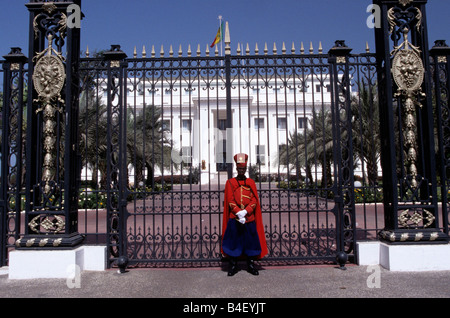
{"x": 242, "y": 195}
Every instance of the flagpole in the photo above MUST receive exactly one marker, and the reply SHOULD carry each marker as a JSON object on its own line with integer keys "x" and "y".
{"x": 221, "y": 34}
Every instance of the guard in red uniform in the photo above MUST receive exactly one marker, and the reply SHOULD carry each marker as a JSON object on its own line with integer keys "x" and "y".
{"x": 243, "y": 231}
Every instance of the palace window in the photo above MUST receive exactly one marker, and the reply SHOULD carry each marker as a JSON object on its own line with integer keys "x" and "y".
{"x": 302, "y": 123}
{"x": 186, "y": 155}
{"x": 259, "y": 123}
{"x": 186, "y": 125}
{"x": 282, "y": 123}
{"x": 260, "y": 154}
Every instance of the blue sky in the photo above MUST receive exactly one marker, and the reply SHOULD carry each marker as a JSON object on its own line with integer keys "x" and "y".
{"x": 137, "y": 23}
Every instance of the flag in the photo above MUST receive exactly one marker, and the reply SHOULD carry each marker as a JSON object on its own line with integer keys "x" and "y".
{"x": 219, "y": 35}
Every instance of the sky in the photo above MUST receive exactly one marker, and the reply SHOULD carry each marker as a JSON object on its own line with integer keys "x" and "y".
{"x": 138, "y": 23}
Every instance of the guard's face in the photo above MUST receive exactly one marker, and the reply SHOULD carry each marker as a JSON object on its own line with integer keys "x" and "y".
{"x": 241, "y": 171}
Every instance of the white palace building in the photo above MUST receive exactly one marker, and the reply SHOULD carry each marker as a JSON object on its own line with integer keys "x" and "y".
{"x": 266, "y": 108}
{"x": 263, "y": 117}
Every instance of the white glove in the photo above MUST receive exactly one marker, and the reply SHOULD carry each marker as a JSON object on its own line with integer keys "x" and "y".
{"x": 242, "y": 220}
{"x": 241, "y": 214}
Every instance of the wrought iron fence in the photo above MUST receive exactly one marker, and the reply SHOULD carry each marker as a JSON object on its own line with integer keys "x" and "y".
{"x": 174, "y": 212}
{"x": 157, "y": 136}
{"x": 14, "y": 76}
{"x": 174, "y": 196}
{"x": 439, "y": 55}
{"x": 178, "y": 135}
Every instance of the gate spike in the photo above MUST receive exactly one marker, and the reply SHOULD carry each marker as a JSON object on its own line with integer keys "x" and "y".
{"x": 207, "y": 50}
{"x": 311, "y": 49}
{"x": 171, "y": 51}
{"x": 135, "y": 52}
{"x": 198, "y": 50}
{"x": 180, "y": 51}
{"x": 367, "y": 47}
{"x": 247, "y": 50}
{"x": 283, "y": 49}
{"x": 153, "y": 51}
{"x": 189, "y": 52}
{"x": 320, "y": 47}
{"x": 87, "y": 51}
{"x": 161, "y": 53}
{"x": 144, "y": 52}
{"x": 293, "y": 48}
{"x": 265, "y": 49}
{"x": 238, "y": 51}
{"x": 302, "y": 49}
{"x": 216, "y": 51}
{"x": 256, "y": 49}
{"x": 274, "y": 49}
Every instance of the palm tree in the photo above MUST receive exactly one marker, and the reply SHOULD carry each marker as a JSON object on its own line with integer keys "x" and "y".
{"x": 93, "y": 135}
{"x": 314, "y": 146}
{"x": 366, "y": 131}
{"x": 147, "y": 144}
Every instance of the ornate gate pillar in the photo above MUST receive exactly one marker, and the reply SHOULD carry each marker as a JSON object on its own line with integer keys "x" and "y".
{"x": 116, "y": 178}
{"x": 339, "y": 56}
{"x": 52, "y": 161}
{"x": 407, "y": 128}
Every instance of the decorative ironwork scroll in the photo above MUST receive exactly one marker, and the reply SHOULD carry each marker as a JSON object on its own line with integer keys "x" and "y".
{"x": 408, "y": 73}
{"x": 48, "y": 78}
{"x": 14, "y": 73}
{"x": 441, "y": 71}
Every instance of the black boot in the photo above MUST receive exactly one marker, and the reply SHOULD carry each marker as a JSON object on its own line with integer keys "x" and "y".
{"x": 251, "y": 267}
{"x": 233, "y": 269}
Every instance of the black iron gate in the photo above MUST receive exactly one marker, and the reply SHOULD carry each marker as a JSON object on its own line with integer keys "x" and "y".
{"x": 152, "y": 139}
{"x": 171, "y": 124}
